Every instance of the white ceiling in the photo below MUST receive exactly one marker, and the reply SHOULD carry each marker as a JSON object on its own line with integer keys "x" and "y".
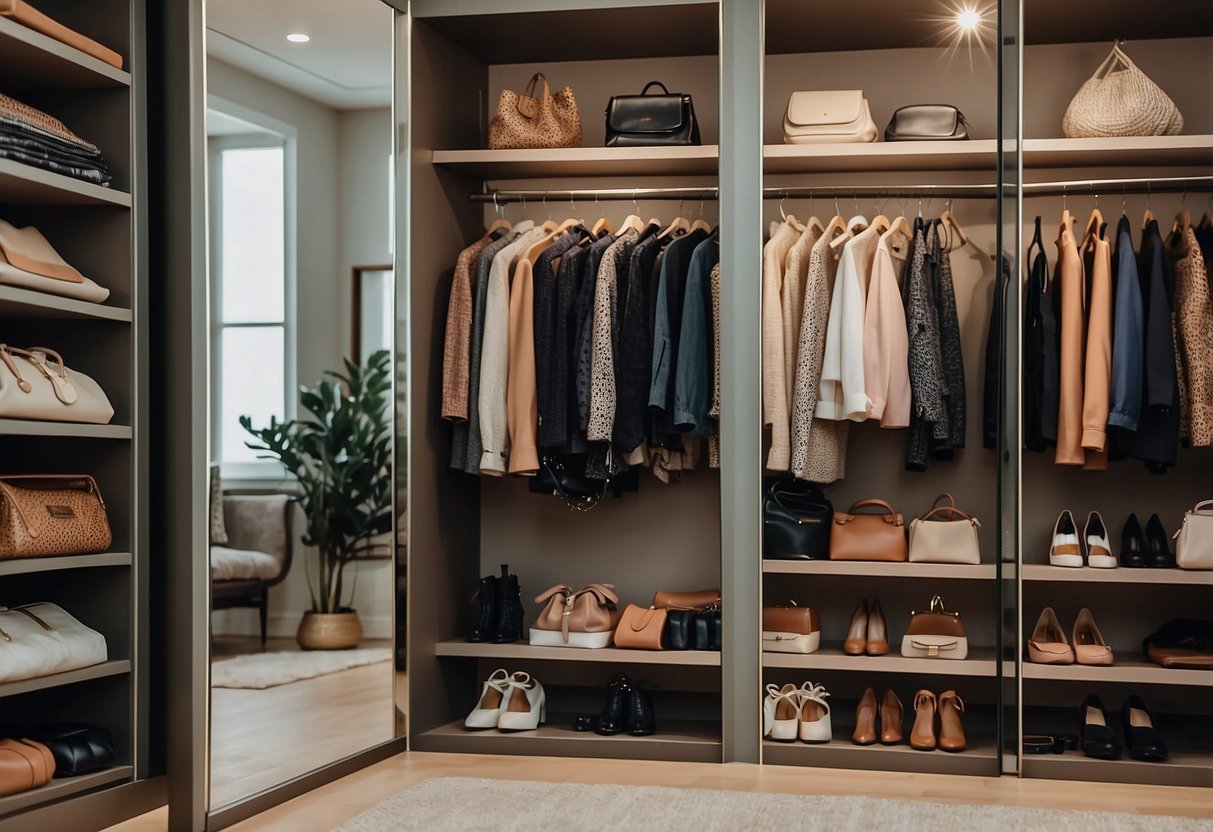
{"x": 346, "y": 65}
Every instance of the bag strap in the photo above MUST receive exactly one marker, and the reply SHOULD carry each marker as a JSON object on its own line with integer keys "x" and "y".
{"x": 644, "y": 619}
{"x": 952, "y": 511}
{"x": 645, "y": 91}
{"x": 547, "y": 594}
{"x": 573, "y": 504}
{"x": 871, "y": 502}
{"x": 605, "y": 593}
{"x": 531, "y": 88}
{"x": 937, "y": 605}
{"x": 1203, "y": 507}
{"x": 944, "y": 496}
{"x": 24, "y": 611}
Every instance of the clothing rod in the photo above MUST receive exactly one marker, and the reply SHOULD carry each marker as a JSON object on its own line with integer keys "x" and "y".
{"x": 984, "y": 190}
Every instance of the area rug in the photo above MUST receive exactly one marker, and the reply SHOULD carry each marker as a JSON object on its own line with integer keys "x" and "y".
{"x": 258, "y": 671}
{"x": 466, "y": 804}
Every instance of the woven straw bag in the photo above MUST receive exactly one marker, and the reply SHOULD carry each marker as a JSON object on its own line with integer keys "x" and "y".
{"x": 1119, "y": 100}
{"x": 545, "y": 120}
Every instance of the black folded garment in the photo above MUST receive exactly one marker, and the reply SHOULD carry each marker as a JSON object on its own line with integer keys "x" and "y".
{"x": 29, "y": 136}
{"x": 77, "y": 748}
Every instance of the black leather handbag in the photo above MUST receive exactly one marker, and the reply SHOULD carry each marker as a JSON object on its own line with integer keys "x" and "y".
{"x": 693, "y": 629}
{"x": 796, "y": 520}
{"x": 647, "y": 120}
{"x": 927, "y": 122}
{"x": 76, "y": 747}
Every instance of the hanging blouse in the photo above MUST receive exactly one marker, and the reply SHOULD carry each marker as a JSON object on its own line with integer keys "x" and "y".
{"x": 928, "y": 411}
{"x": 951, "y": 354}
{"x": 1157, "y": 439}
{"x": 457, "y": 340}
{"x": 843, "y": 393}
{"x": 553, "y": 304}
{"x": 636, "y": 345}
{"x": 693, "y": 379}
{"x": 886, "y": 346}
{"x": 774, "y": 379}
{"x": 605, "y": 335}
{"x": 1194, "y": 339}
{"x": 791, "y": 300}
{"x": 1097, "y": 365}
{"x": 1127, "y": 334}
{"x": 1073, "y": 324}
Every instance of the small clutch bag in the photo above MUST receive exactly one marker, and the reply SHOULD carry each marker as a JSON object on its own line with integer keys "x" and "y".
{"x": 640, "y": 628}
{"x": 927, "y": 122}
{"x": 935, "y": 634}
{"x": 790, "y": 629}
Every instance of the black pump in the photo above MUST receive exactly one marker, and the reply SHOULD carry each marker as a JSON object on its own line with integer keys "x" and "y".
{"x": 486, "y": 626}
{"x": 1158, "y": 545}
{"x": 1143, "y": 741}
{"x": 509, "y": 605}
{"x": 1132, "y": 544}
{"x": 1096, "y": 736}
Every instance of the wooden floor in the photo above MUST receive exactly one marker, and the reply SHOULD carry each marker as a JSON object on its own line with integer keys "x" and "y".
{"x": 330, "y": 806}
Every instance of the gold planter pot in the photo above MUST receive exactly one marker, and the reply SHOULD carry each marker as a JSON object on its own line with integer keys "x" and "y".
{"x": 329, "y": 631}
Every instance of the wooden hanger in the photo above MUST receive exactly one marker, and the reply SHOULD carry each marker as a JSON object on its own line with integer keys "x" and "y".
{"x": 679, "y": 225}
{"x": 1182, "y": 220}
{"x": 815, "y": 225}
{"x": 700, "y": 224}
{"x": 500, "y": 223}
{"x": 856, "y": 222}
{"x": 795, "y": 224}
{"x": 603, "y": 224}
{"x": 837, "y": 224}
{"x": 881, "y": 223}
{"x": 949, "y": 221}
{"x": 902, "y": 225}
{"x": 631, "y": 221}
{"x": 1206, "y": 221}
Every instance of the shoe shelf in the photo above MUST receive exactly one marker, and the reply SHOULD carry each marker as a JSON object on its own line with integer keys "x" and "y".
{"x": 23, "y": 427}
{"x": 85, "y": 674}
{"x": 980, "y": 758}
{"x": 1061, "y": 574}
{"x": 580, "y": 161}
{"x": 605, "y": 655}
{"x": 981, "y": 662}
{"x": 29, "y": 54}
{"x": 682, "y": 741}
{"x": 60, "y": 788}
{"x": 1186, "y": 767}
{"x": 1132, "y": 671}
{"x": 27, "y": 185}
{"x": 24, "y": 566}
{"x": 934, "y": 571}
{"x": 25, "y": 303}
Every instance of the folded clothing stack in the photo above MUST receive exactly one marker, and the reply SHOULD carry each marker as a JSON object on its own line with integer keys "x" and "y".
{"x": 32, "y": 137}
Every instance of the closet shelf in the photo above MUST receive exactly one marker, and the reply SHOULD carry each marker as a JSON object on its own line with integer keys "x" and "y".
{"x": 71, "y": 677}
{"x": 981, "y": 756}
{"x": 24, "y": 303}
{"x": 25, "y": 566}
{"x": 682, "y": 741}
{"x": 23, "y": 427}
{"x": 1126, "y": 671}
{"x": 981, "y": 154}
{"x": 981, "y": 662}
{"x": 873, "y": 569}
{"x": 1186, "y": 767}
{"x": 1148, "y": 151}
{"x": 612, "y": 655}
{"x": 580, "y": 161}
{"x": 65, "y": 787}
{"x": 1062, "y": 574}
{"x": 26, "y": 185}
{"x": 31, "y": 58}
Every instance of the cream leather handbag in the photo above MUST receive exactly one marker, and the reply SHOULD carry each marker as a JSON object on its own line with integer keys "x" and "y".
{"x": 40, "y": 639}
{"x": 35, "y": 384}
{"x": 28, "y": 261}
{"x": 945, "y": 534}
{"x": 826, "y": 116}
{"x": 1194, "y": 540}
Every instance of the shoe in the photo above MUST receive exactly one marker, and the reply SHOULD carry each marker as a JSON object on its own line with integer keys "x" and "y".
{"x": 857, "y": 635}
{"x": 815, "y": 724}
{"x": 892, "y": 717}
{"x": 781, "y": 713}
{"x": 487, "y": 712}
{"x": 922, "y": 735}
{"x": 1089, "y": 646}
{"x": 486, "y": 625}
{"x": 525, "y": 707}
{"x": 1132, "y": 544}
{"x": 951, "y": 729}
{"x": 878, "y": 632}
{"x": 642, "y": 721}
{"x": 613, "y": 719}
{"x": 1143, "y": 741}
{"x": 1099, "y": 550}
{"x": 1158, "y": 546}
{"x": 1065, "y": 550}
{"x": 1048, "y": 644}
{"x": 865, "y": 719}
{"x": 1095, "y": 736}
{"x": 509, "y": 625}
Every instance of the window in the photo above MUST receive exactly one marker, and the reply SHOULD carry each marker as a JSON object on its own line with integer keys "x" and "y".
{"x": 252, "y": 343}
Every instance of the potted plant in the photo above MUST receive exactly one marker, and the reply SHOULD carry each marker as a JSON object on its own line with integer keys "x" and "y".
{"x": 340, "y": 456}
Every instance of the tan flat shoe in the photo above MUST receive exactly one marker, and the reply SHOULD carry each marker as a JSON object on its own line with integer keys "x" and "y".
{"x": 891, "y": 718}
{"x": 865, "y": 719}
{"x": 857, "y": 635}
{"x": 922, "y": 735}
{"x": 1089, "y": 646}
{"x": 951, "y": 730}
{"x": 1048, "y": 644}
{"x": 878, "y": 632}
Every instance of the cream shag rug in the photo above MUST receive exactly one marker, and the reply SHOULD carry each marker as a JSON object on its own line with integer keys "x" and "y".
{"x": 465, "y": 804}
{"x": 258, "y": 671}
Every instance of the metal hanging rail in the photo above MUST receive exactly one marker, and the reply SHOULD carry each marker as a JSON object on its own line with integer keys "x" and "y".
{"x": 985, "y": 190}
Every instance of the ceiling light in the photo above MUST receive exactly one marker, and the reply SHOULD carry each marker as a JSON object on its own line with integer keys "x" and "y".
{"x": 968, "y": 19}
{"x": 298, "y": 37}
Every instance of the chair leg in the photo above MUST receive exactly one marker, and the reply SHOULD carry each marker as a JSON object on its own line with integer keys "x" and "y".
{"x": 264, "y": 611}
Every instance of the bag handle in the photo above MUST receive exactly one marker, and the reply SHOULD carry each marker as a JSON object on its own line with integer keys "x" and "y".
{"x": 582, "y": 505}
{"x": 1116, "y": 56}
{"x": 605, "y": 593}
{"x": 645, "y": 91}
{"x": 871, "y": 502}
{"x": 530, "y": 89}
{"x": 953, "y": 512}
{"x": 1203, "y": 507}
{"x": 547, "y": 594}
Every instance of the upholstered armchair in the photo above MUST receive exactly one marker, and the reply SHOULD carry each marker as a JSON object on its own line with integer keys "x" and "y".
{"x": 257, "y": 554}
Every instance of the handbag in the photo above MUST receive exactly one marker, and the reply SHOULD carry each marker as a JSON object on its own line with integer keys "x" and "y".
{"x": 935, "y": 634}
{"x": 796, "y": 520}
{"x": 699, "y": 600}
{"x": 52, "y": 514}
{"x": 76, "y": 747}
{"x": 1120, "y": 100}
{"x": 1181, "y": 643}
{"x": 790, "y": 629}
{"x": 28, "y": 261}
{"x": 1194, "y": 540}
{"x": 868, "y": 536}
{"x": 824, "y": 116}
{"x": 24, "y": 765}
{"x": 936, "y": 540}
{"x": 693, "y": 629}
{"x": 927, "y": 122}
{"x": 27, "y": 15}
{"x": 585, "y": 618}
{"x": 36, "y": 384}
{"x": 41, "y": 639}
{"x": 564, "y": 477}
{"x": 641, "y": 628}
{"x": 651, "y": 120}
{"x": 526, "y": 120}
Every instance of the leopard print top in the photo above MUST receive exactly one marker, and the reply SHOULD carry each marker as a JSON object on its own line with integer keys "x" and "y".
{"x": 1193, "y": 334}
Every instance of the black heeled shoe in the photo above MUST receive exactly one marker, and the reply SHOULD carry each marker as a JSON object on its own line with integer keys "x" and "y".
{"x": 490, "y": 614}
{"x": 1096, "y": 737}
{"x": 1132, "y": 544}
{"x": 642, "y": 722}
{"x": 509, "y": 624}
{"x": 1158, "y": 545}
{"x": 614, "y": 717}
{"x": 1141, "y": 738}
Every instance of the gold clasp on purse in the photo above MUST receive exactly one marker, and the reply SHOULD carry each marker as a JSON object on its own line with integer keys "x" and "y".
{"x": 932, "y": 650}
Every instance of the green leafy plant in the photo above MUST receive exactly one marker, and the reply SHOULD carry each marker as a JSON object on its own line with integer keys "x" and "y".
{"x": 341, "y": 457}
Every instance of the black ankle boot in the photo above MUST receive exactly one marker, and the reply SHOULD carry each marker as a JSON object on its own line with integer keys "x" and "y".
{"x": 509, "y": 606}
{"x": 614, "y": 716}
{"x": 641, "y": 720}
{"x": 486, "y": 626}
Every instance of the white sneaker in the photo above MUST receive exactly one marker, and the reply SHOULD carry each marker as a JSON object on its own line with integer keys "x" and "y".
{"x": 780, "y": 712}
{"x": 814, "y": 714}
{"x": 525, "y": 707}
{"x": 1099, "y": 550}
{"x": 1065, "y": 550}
{"x": 488, "y": 709}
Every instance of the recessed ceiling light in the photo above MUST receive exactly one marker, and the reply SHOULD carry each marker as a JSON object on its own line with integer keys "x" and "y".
{"x": 298, "y": 37}
{"x": 968, "y": 19}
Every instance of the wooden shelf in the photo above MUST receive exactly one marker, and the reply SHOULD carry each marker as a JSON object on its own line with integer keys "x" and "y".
{"x": 675, "y": 740}
{"x": 28, "y": 185}
{"x": 33, "y": 58}
{"x": 23, "y": 427}
{"x": 980, "y": 758}
{"x": 62, "y": 787}
{"x": 981, "y": 154}
{"x": 873, "y": 569}
{"x": 25, "y": 566}
{"x": 580, "y": 161}
{"x": 1120, "y": 575}
{"x": 980, "y": 662}
{"x": 26, "y": 303}
{"x": 1186, "y": 767}
{"x": 606, "y": 655}
{"x": 71, "y": 677}
{"x": 1152, "y": 151}
{"x": 1125, "y": 671}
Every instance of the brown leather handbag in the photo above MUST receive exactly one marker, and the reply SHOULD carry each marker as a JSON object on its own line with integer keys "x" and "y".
{"x": 790, "y": 629}
{"x": 581, "y": 618}
{"x": 700, "y": 600}
{"x": 52, "y": 515}
{"x": 24, "y": 765}
{"x": 536, "y": 118}
{"x": 935, "y": 634}
{"x": 641, "y": 629}
{"x": 868, "y": 536}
